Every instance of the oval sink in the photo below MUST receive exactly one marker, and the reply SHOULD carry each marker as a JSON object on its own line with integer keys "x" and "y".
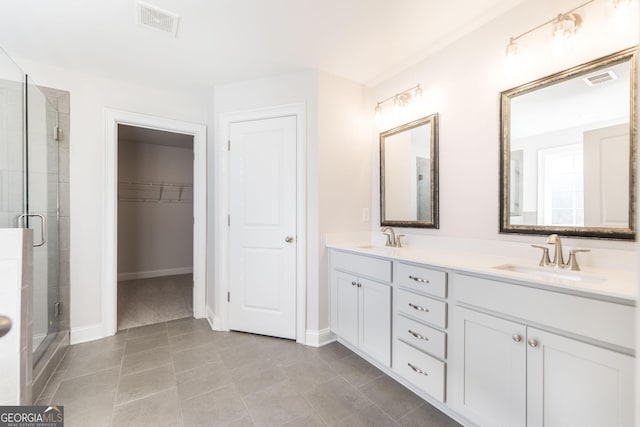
{"x": 551, "y": 273}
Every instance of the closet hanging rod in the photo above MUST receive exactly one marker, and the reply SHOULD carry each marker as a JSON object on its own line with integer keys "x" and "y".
{"x": 151, "y": 183}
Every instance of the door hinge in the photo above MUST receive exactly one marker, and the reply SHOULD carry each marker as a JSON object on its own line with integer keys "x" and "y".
{"x": 56, "y": 133}
{"x": 228, "y": 145}
{"x": 229, "y": 220}
{"x": 57, "y": 309}
{"x": 228, "y": 296}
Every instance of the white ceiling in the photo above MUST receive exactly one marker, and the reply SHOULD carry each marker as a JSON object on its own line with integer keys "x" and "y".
{"x": 228, "y": 40}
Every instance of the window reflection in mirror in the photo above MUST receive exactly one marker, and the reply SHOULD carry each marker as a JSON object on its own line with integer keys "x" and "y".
{"x": 408, "y": 174}
{"x": 567, "y": 152}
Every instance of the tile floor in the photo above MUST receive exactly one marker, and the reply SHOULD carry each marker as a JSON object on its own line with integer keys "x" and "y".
{"x": 180, "y": 373}
{"x": 158, "y": 299}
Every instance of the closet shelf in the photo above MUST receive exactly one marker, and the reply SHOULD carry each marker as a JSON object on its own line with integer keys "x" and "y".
{"x": 155, "y": 192}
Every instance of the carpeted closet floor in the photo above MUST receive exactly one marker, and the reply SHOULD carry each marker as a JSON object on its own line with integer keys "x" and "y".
{"x": 159, "y": 299}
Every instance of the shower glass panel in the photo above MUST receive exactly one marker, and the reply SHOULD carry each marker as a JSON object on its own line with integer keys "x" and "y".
{"x": 12, "y": 139}
{"x": 41, "y": 214}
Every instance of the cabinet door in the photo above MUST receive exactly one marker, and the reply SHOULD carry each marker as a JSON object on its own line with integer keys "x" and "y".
{"x": 345, "y": 306}
{"x": 375, "y": 320}
{"x": 571, "y": 383}
{"x": 493, "y": 365}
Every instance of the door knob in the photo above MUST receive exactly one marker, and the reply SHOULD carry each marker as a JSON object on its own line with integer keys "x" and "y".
{"x": 5, "y": 325}
{"x": 288, "y": 239}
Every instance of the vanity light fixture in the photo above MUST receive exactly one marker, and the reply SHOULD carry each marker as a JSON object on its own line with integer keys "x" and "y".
{"x": 563, "y": 26}
{"x": 566, "y": 25}
{"x": 400, "y": 100}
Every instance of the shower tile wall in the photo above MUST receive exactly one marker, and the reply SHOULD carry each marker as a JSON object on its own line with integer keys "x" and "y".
{"x": 49, "y": 361}
{"x": 60, "y": 99}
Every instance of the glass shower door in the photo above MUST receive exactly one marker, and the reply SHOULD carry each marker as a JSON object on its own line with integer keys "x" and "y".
{"x": 41, "y": 214}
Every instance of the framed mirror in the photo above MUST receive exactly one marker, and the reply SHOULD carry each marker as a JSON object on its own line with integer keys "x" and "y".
{"x": 409, "y": 174}
{"x": 568, "y": 152}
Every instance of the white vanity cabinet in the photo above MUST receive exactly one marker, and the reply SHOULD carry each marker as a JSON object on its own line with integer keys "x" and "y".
{"x": 420, "y": 322}
{"x": 360, "y": 304}
{"x": 510, "y": 371}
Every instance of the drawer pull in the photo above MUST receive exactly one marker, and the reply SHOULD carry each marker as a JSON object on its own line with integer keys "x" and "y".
{"x": 420, "y": 337}
{"x": 417, "y": 307}
{"x": 417, "y": 370}
{"x": 418, "y": 279}
{"x": 353, "y": 283}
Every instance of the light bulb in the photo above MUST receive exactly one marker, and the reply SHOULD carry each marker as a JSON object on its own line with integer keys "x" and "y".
{"x": 566, "y": 26}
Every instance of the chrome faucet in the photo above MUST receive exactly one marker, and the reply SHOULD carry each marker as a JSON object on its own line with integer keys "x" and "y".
{"x": 558, "y": 259}
{"x": 391, "y": 236}
{"x": 393, "y": 239}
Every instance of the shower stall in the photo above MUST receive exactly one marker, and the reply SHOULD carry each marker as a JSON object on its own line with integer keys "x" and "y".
{"x": 30, "y": 197}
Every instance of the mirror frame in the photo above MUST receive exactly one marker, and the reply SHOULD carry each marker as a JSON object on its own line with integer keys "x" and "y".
{"x": 505, "y": 152}
{"x": 433, "y": 162}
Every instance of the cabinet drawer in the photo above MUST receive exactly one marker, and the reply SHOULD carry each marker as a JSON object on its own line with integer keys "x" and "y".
{"x": 423, "y": 308}
{"x": 421, "y": 279}
{"x": 374, "y": 268}
{"x": 421, "y": 369}
{"x": 601, "y": 320}
{"x": 423, "y": 337}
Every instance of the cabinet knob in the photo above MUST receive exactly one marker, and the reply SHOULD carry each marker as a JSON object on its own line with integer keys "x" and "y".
{"x": 288, "y": 239}
{"x": 533, "y": 343}
{"x": 353, "y": 283}
{"x": 359, "y": 285}
{"x": 516, "y": 337}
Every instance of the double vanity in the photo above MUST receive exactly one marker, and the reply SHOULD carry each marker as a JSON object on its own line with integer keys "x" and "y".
{"x": 491, "y": 341}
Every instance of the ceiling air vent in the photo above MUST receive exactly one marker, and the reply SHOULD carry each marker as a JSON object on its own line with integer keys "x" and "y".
{"x": 596, "y": 79}
{"x": 152, "y": 17}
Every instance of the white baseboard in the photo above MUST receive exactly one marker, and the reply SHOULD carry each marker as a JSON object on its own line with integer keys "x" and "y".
{"x": 154, "y": 273}
{"x": 218, "y": 324}
{"x": 210, "y": 317}
{"x": 86, "y": 333}
{"x": 319, "y": 338}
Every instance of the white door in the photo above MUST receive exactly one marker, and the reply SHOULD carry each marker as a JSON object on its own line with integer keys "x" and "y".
{"x": 606, "y": 177}
{"x": 570, "y": 383}
{"x": 262, "y": 202}
{"x": 493, "y": 367}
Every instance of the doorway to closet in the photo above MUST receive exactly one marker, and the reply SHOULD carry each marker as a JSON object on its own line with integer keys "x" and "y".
{"x": 155, "y": 226}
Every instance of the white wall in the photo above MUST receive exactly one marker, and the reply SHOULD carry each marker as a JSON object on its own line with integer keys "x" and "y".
{"x": 343, "y": 174}
{"x": 463, "y": 83}
{"x": 89, "y": 95}
{"x": 154, "y": 238}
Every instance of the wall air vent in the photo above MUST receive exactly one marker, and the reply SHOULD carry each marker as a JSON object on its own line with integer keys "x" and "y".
{"x": 600, "y": 77}
{"x": 150, "y": 16}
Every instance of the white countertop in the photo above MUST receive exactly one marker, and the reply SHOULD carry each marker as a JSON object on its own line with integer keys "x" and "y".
{"x": 611, "y": 285}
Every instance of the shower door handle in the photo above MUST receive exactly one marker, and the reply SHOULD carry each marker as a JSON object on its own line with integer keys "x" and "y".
{"x": 5, "y": 325}
{"x": 43, "y": 224}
